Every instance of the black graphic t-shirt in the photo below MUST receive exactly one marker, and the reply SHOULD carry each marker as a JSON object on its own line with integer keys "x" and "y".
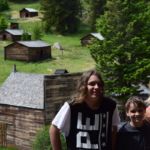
{"x": 91, "y": 129}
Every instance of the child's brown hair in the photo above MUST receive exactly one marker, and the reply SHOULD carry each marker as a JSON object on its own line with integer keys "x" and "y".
{"x": 136, "y": 101}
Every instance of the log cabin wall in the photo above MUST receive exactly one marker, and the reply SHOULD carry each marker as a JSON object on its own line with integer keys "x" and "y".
{"x": 25, "y": 14}
{"x": 5, "y": 36}
{"x": 17, "y": 52}
{"x": 58, "y": 89}
{"x": 22, "y": 125}
{"x": 36, "y": 54}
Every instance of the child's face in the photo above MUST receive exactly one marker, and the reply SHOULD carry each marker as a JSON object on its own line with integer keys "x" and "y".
{"x": 136, "y": 115}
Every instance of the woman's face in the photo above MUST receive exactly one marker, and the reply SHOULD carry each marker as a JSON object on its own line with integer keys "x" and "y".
{"x": 94, "y": 88}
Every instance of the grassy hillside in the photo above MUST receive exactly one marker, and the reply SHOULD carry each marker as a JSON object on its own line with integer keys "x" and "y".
{"x": 74, "y": 57}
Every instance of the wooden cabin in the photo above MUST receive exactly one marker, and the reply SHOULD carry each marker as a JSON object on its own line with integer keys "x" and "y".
{"x": 30, "y": 101}
{"x": 28, "y": 12}
{"x": 27, "y": 51}
{"x": 11, "y": 34}
{"x": 14, "y": 25}
{"x": 88, "y": 39}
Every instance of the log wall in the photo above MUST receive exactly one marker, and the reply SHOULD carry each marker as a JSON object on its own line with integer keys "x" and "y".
{"x": 58, "y": 89}
{"x": 17, "y": 52}
{"x": 22, "y": 125}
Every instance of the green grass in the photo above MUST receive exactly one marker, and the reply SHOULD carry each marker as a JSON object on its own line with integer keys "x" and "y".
{"x": 75, "y": 58}
{"x": 24, "y": 4}
{"x": 2, "y": 148}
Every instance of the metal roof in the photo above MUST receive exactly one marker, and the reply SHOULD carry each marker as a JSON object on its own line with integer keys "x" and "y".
{"x": 31, "y": 9}
{"x": 14, "y": 31}
{"x": 37, "y": 43}
{"x": 23, "y": 90}
{"x": 98, "y": 36}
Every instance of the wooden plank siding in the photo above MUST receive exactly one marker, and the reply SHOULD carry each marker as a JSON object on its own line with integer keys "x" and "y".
{"x": 58, "y": 89}
{"x": 22, "y": 125}
{"x": 17, "y": 52}
{"x": 5, "y": 36}
{"x": 23, "y": 122}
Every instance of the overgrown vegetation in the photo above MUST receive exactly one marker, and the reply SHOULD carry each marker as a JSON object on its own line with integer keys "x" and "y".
{"x": 4, "y": 5}
{"x": 61, "y": 16}
{"x": 42, "y": 140}
{"x": 124, "y": 56}
{"x": 3, "y": 23}
{"x": 2, "y": 148}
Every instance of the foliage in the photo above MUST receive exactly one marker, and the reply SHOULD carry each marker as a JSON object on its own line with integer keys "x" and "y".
{"x": 61, "y": 16}
{"x": 123, "y": 57}
{"x": 37, "y": 32}
{"x": 3, "y": 23}
{"x": 93, "y": 9}
{"x": 42, "y": 141}
{"x": 26, "y": 36}
{"x": 3, "y": 5}
{"x": 7, "y": 148}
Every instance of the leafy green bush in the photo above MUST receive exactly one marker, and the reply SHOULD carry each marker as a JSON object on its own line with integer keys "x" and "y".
{"x": 42, "y": 140}
{"x": 3, "y": 23}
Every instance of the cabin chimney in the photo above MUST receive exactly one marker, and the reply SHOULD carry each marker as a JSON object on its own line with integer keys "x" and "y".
{"x": 14, "y": 68}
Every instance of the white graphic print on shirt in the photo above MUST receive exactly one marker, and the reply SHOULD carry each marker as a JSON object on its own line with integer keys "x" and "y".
{"x": 100, "y": 125}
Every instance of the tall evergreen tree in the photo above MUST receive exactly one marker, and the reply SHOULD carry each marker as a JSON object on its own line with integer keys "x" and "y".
{"x": 92, "y": 10}
{"x": 62, "y": 16}
{"x": 4, "y": 5}
{"x": 124, "y": 56}
{"x": 97, "y": 9}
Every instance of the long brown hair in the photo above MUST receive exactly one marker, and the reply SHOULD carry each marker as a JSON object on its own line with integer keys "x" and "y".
{"x": 82, "y": 85}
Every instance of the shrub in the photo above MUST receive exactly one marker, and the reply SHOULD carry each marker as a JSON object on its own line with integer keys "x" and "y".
{"x": 42, "y": 140}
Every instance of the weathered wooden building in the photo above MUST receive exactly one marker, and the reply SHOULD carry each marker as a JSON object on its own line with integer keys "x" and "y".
{"x": 27, "y": 50}
{"x": 30, "y": 101}
{"x": 11, "y": 34}
{"x": 14, "y": 25}
{"x": 28, "y": 12}
{"x": 88, "y": 39}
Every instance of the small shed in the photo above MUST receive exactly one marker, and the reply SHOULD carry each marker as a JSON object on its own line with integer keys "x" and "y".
{"x": 27, "y": 50}
{"x": 30, "y": 101}
{"x": 14, "y": 25}
{"x": 88, "y": 39}
{"x": 28, "y": 12}
{"x": 11, "y": 34}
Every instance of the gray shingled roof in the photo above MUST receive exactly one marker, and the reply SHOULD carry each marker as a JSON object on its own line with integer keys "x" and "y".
{"x": 15, "y": 31}
{"x": 37, "y": 43}
{"x": 31, "y": 9}
{"x": 24, "y": 90}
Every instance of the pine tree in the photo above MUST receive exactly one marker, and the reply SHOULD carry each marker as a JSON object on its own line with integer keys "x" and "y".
{"x": 124, "y": 56}
{"x": 91, "y": 10}
{"x": 97, "y": 9}
{"x": 3, "y": 5}
{"x": 61, "y": 16}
